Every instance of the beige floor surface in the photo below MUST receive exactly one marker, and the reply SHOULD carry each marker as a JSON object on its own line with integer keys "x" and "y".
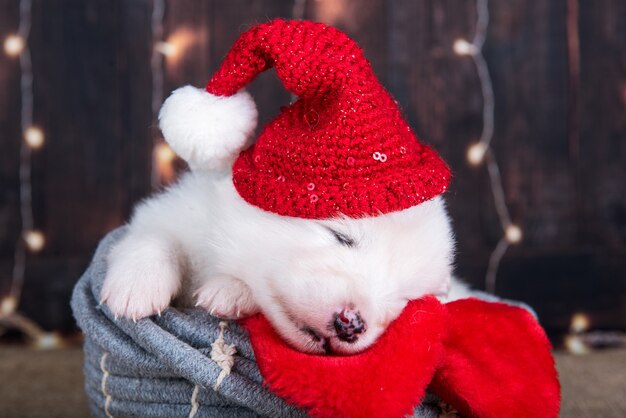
{"x": 49, "y": 384}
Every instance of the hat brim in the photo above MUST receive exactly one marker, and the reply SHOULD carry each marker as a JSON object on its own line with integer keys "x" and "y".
{"x": 368, "y": 193}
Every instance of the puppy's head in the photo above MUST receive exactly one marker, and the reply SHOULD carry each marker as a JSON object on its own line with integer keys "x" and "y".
{"x": 335, "y": 285}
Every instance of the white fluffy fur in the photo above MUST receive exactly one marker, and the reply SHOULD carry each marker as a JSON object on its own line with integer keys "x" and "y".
{"x": 207, "y": 131}
{"x": 239, "y": 259}
{"x": 201, "y": 243}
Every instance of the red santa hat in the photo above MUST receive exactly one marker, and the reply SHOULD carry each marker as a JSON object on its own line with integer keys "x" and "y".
{"x": 343, "y": 148}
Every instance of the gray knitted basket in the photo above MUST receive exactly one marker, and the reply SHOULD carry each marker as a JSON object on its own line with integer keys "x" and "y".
{"x": 162, "y": 367}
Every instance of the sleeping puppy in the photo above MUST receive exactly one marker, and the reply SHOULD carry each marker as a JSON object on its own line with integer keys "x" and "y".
{"x": 332, "y": 284}
{"x": 328, "y": 224}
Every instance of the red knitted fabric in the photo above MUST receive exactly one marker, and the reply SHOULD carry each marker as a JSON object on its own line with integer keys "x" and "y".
{"x": 343, "y": 147}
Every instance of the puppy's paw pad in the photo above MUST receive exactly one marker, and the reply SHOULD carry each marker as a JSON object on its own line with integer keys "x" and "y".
{"x": 226, "y": 298}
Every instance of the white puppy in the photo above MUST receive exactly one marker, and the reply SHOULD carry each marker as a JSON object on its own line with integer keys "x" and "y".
{"x": 301, "y": 273}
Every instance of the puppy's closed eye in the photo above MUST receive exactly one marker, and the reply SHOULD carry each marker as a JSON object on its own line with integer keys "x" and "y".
{"x": 342, "y": 238}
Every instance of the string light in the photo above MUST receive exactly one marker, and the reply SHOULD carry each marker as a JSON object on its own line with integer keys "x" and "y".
{"x": 30, "y": 238}
{"x": 163, "y": 159}
{"x": 14, "y": 45}
{"x": 581, "y": 341}
{"x": 462, "y": 47}
{"x": 26, "y": 89}
{"x": 580, "y": 323}
{"x": 513, "y": 234}
{"x": 34, "y": 137}
{"x": 35, "y": 240}
{"x": 165, "y": 48}
{"x": 7, "y": 306}
{"x": 176, "y": 45}
{"x": 48, "y": 340}
{"x": 575, "y": 344}
{"x": 476, "y": 153}
{"x": 164, "y": 153}
{"x": 480, "y": 152}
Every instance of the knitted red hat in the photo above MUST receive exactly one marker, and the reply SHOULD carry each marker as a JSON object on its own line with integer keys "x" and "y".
{"x": 342, "y": 148}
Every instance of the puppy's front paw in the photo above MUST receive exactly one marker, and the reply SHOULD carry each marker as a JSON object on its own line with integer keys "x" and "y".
{"x": 226, "y": 297}
{"x": 142, "y": 278}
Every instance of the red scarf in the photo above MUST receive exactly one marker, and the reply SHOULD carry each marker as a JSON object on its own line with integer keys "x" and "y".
{"x": 485, "y": 359}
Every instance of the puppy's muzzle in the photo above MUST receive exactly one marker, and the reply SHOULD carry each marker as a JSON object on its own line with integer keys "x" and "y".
{"x": 349, "y": 325}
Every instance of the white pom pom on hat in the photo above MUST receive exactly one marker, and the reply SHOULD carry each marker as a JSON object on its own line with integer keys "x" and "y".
{"x": 206, "y": 130}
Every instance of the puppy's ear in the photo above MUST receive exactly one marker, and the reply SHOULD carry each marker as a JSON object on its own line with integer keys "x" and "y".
{"x": 206, "y": 130}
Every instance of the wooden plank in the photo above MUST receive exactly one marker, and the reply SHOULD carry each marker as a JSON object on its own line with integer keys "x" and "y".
{"x": 92, "y": 98}
{"x": 601, "y": 166}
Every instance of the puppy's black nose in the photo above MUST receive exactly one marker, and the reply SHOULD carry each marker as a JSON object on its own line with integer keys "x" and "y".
{"x": 348, "y": 324}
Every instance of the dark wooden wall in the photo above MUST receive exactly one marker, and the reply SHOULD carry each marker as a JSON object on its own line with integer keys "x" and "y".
{"x": 560, "y": 135}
